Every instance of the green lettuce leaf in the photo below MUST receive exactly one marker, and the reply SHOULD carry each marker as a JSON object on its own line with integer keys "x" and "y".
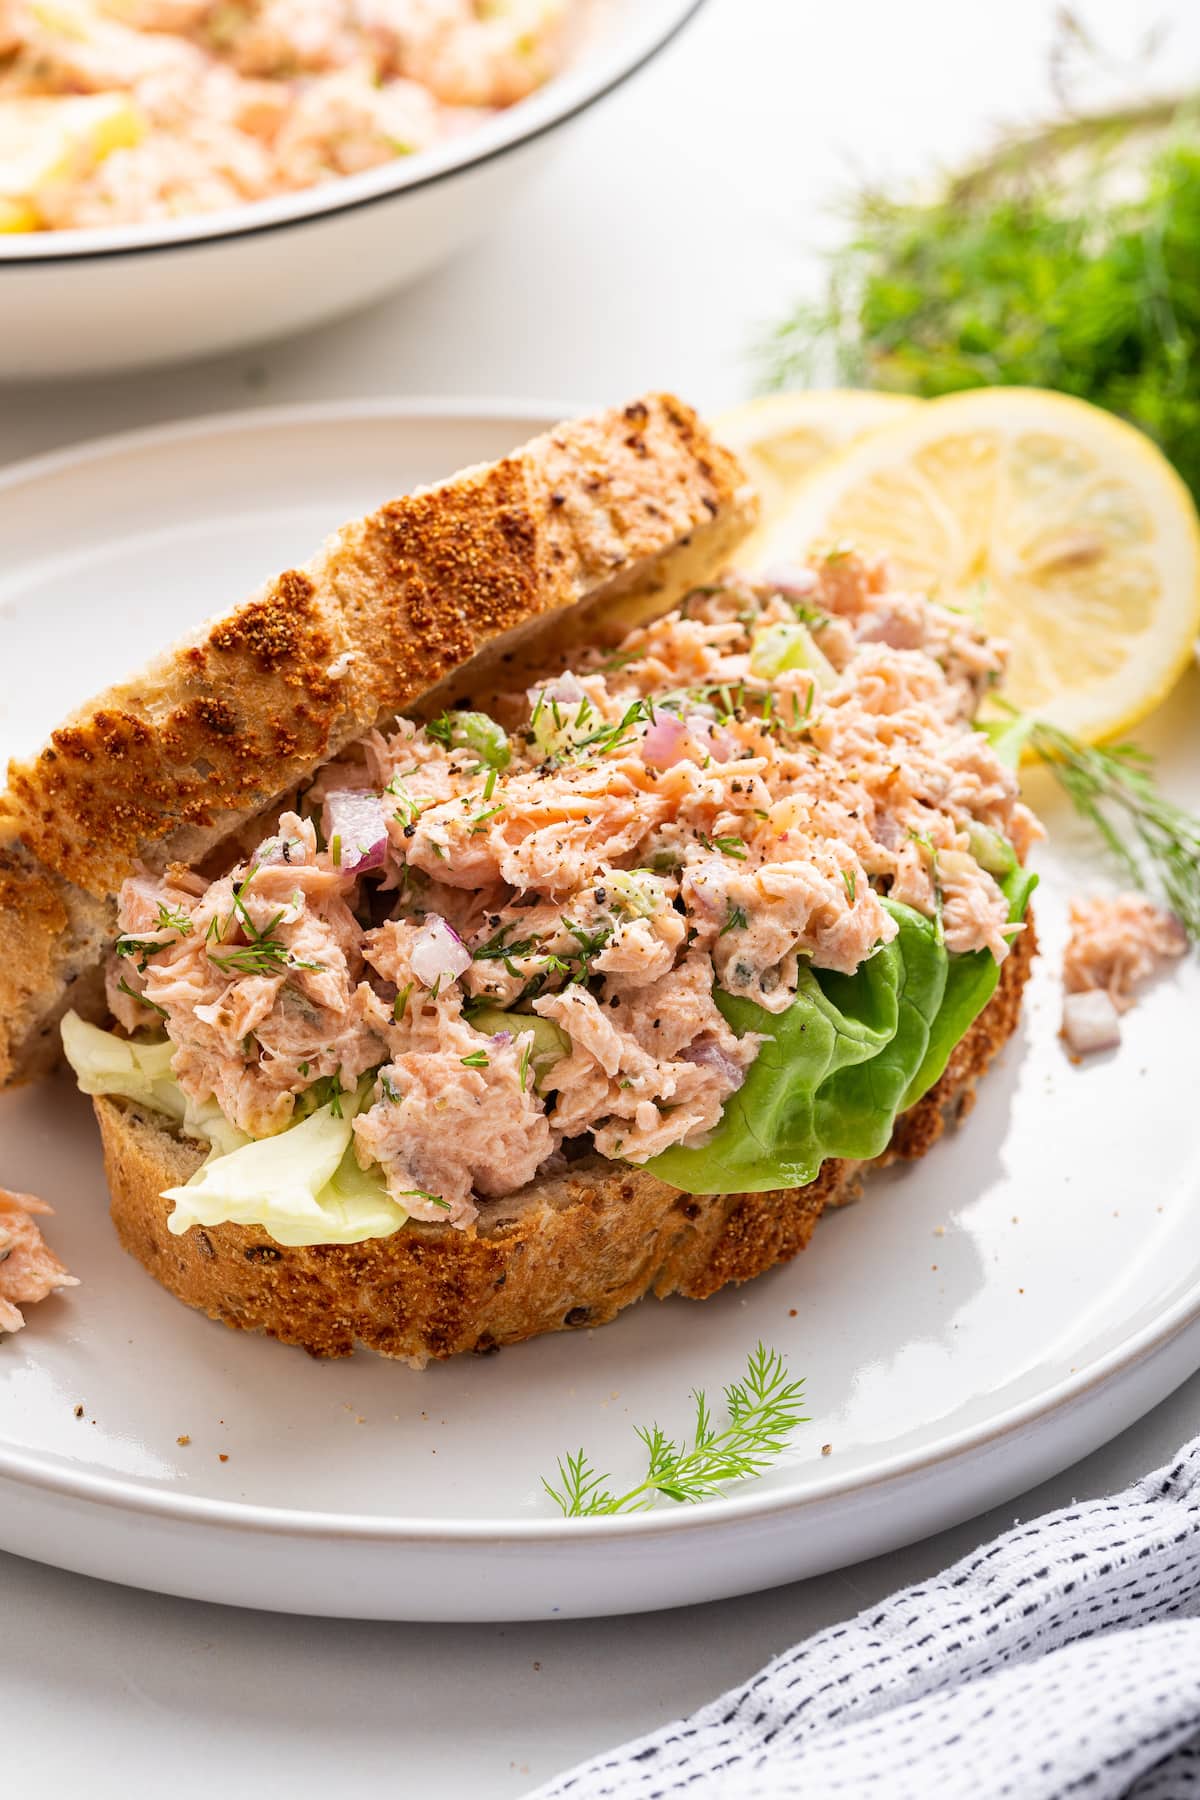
{"x": 107, "y": 1064}
{"x": 829, "y": 1072}
{"x": 970, "y": 984}
{"x": 850, "y": 1053}
{"x": 303, "y": 1186}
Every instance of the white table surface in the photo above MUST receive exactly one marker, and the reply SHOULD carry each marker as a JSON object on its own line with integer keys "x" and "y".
{"x": 680, "y": 216}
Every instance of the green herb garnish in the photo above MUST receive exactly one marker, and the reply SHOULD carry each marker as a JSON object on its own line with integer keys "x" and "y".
{"x": 478, "y": 1059}
{"x": 764, "y": 1410}
{"x": 1112, "y": 786}
{"x": 736, "y": 920}
{"x": 728, "y": 846}
{"x": 423, "y": 1194}
{"x": 141, "y": 999}
{"x": 1068, "y": 261}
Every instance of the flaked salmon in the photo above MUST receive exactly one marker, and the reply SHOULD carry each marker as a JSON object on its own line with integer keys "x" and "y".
{"x": 29, "y": 1269}
{"x": 504, "y": 940}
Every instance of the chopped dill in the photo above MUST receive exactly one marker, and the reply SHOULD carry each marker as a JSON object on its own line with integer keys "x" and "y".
{"x": 423, "y": 1194}
{"x": 728, "y": 846}
{"x": 141, "y": 999}
{"x": 735, "y": 921}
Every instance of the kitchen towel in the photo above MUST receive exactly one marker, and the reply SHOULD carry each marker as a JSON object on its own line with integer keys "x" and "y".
{"x": 1063, "y": 1659}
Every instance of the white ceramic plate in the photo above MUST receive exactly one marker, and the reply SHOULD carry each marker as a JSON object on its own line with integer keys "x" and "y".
{"x": 126, "y": 296}
{"x": 978, "y": 1322}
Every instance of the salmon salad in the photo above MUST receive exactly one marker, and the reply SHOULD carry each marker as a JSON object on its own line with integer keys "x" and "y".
{"x": 490, "y": 942}
{"x": 29, "y": 1269}
{"x": 124, "y": 111}
{"x": 1116, "y": 943}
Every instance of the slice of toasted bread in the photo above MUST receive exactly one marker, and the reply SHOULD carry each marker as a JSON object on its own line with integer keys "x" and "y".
{"x": 634, "y": 504}
{"x": 566, "y": 1251}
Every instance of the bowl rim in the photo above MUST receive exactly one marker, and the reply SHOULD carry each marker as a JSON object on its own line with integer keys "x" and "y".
{"x": 647, "y": 30}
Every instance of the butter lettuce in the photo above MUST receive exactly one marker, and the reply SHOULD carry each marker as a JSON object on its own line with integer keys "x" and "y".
{"x": 303, "y": 1186}
{"x": 830, "y": 1073}
{"x": 107, "y": 1064}
{"x": 849, "y": 1054}
{"x": 970, "y": 984}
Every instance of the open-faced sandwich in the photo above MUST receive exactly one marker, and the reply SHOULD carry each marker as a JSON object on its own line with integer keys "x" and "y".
{"x": 512, "y": 913}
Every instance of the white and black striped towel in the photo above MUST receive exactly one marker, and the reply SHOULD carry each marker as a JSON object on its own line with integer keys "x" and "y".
{"x": 1062, "y": 1659}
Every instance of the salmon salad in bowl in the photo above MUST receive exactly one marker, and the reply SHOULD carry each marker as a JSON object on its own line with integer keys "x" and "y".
{"x": 122, "y": 111}
{"x": 191, "y": 176}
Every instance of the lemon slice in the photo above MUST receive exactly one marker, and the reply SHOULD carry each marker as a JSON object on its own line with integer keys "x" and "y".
{"x": 781, "y": 438}
{"x": 45, "y": 139}
{"x": 1063, "y": 529}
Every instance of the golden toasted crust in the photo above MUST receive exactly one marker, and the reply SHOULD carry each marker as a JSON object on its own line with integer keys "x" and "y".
{"x": 165, "y": 765}
{"x": 565, "y": 1252}
{"x": 51, "y": 941}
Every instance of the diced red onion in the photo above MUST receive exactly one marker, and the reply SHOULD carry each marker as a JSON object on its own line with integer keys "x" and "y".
{"x": 438, "y": 954}
{"x": 355, "y": 817}
{"x": 708, "y": 1054}
{"x": 1090, "y": 1022}
{"x": 502, "y": 1038}
{"x": 665, "y": 741}
{"x": 791, "y": 580}
{"x": 710, "y": 738}
{"x": 707, "y": 885}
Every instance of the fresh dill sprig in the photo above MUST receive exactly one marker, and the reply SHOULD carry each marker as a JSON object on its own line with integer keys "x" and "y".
{"x": 764, "y": 1410}
{"x": 265, "y": 954}
{"x": 1112, "y": 786}
{"x": 424, "y": 1194}
{"x": 1066, "y": 260}
{"x": 728, "y": 846}
{"x": 124, "y": 987}
{"x": 736, "y": 919}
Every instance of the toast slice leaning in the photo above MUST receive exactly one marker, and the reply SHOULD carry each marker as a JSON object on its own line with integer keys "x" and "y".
{"x": 634, "y": 504}
{"x": 567, "y": 1251}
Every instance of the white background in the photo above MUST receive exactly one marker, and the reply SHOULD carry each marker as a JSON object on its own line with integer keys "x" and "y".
{"x": 679, "y": 219}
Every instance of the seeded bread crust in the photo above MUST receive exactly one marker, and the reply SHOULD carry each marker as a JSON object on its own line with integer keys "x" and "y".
{"x": 565, "y": 1252}
{"x": 636, "y": 503}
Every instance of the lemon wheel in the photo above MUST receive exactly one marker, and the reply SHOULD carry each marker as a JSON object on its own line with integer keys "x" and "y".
{"x": 782, "y": 438}
{"x": 1066, "y": 531}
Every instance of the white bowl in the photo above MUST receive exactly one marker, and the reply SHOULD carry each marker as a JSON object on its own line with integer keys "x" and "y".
{"x": 128, "y": 296}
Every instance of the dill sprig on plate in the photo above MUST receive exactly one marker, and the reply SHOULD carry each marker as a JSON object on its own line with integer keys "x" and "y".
{"x": 764, "y": 1410}
{"x": 1112, "y": 786}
